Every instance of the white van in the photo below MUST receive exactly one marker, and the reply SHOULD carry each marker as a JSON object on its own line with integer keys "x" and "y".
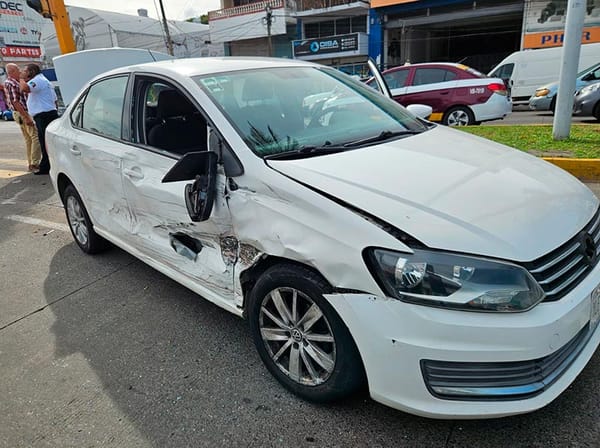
{"x": 526, "y": 70}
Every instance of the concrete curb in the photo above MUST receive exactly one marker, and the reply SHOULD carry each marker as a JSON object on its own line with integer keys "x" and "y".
{"x": 586, "y": 170}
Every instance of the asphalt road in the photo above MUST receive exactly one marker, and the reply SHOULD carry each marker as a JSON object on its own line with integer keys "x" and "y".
{"x": 105, "y": 351}
{"x": 522, "y": 115}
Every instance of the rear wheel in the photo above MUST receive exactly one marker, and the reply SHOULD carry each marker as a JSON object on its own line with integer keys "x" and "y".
{"x": 459, "y": 116}
{"x": 300, "y": 337}
{"x": 80, "y": 224}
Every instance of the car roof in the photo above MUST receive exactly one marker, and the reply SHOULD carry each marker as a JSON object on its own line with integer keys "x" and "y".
{"x": 210, "y": 65}
{"x": 430, "y": 64}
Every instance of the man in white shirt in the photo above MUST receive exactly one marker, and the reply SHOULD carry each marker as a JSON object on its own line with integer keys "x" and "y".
{"x": 41, "y": 104}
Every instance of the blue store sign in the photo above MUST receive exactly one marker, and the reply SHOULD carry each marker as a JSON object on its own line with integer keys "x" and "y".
{"x": 334, "y": 44}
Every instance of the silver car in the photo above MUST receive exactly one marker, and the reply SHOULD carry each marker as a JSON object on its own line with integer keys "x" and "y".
{"x": 587, "y": 101}
{"x": 544, "y": 97}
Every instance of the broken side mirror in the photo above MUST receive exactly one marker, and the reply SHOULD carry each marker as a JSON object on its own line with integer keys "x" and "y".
{"x": 199, "y": 195}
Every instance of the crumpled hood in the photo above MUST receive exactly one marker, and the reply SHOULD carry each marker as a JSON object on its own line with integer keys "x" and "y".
{"x": 455, "y": 191}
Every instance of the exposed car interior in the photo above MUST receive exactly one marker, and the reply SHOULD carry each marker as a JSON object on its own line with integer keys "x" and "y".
{"x": 173, "y": 123}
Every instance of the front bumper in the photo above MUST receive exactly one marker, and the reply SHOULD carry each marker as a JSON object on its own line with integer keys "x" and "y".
{"x": 584, "y": 105}
{"x": 395, "y": 338}
{"x": 540, "y": 102}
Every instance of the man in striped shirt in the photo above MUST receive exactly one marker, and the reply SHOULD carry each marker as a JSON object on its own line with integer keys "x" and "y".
{"x": 17, "y": 102}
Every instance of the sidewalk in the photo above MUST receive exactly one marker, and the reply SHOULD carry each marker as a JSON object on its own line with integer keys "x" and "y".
{"x": 586, "y": 170}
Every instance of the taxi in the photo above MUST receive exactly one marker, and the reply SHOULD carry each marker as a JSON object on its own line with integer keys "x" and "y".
{"x": 458, "y": 94}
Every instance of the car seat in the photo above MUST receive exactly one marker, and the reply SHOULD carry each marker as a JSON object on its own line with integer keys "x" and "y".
{"x": 181, "y": 128}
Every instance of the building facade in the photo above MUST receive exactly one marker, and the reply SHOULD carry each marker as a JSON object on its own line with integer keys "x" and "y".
{"x": 343, "y": 33}
{"x": 20, "y": 31}
{"x": 332, "y": 32}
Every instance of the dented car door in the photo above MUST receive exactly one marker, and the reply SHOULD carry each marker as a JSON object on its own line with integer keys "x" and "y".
{"x": 162, "y": 228}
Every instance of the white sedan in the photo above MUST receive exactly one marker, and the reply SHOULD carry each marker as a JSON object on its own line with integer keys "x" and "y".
{"x": 456, "y": 277}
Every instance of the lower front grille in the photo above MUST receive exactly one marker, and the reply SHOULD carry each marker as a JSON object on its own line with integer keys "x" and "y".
{"x": 492, "y": 381}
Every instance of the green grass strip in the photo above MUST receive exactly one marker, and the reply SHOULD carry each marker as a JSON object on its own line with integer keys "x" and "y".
{"x": 584, "y": 140}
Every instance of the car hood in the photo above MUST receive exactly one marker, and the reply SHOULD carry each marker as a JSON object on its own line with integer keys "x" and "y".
{"x": 553, "y": 86}
{"x": 455, "y": 191}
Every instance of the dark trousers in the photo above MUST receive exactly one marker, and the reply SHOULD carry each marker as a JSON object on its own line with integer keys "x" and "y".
{"x": 42, "y": 120}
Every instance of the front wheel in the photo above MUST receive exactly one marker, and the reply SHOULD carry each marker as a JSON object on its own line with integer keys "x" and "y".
{"x": 300, "y": 337}
{"x": 459, "y": 116}
{"x": 80, "y": 224}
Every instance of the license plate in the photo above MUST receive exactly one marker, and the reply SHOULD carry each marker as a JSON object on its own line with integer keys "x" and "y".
{"x": 595, "y": 306}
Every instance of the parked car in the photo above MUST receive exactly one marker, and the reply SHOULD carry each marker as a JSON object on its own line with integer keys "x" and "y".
{"x": 7, "y": 115}
{"x": 459, "y": 95}
{"x": 544, "y": 97}
{"x": 525, "y": 70}
{"x": 364, "y": 245}
{"x": 587, "y": 101}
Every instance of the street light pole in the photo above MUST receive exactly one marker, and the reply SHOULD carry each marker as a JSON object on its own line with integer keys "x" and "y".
{"x": 568, "y": 70}
{"x": 166, "y": 26}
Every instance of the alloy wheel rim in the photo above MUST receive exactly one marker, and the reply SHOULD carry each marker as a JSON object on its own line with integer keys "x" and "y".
{"x": 77, "y": 220}
{"x": 458, "y": 118}
{"x": 297, "y": 336}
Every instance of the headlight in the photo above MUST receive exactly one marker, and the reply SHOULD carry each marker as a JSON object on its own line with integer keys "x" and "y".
{"x": 454, "y": 281}
{"x": 590, "y": 88}
{"x": 542, "y": 92}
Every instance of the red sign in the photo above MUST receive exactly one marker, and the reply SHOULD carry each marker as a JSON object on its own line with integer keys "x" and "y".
{"x": 21, "y": 52}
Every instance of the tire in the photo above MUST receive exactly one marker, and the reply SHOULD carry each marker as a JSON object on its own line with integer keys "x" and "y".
{"x": 309, "y": 351}
{"x": 553, "y": 104}
{"x": 80, "y": 224}
{"x": 458, "y": 116}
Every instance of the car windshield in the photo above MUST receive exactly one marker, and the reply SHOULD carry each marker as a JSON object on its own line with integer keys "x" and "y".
{"x": 303, "y": 109}
{"x": 588, "y": 70}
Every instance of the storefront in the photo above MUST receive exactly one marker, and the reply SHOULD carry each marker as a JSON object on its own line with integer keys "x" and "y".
{"x": 20, "y": 30}
{"x": 346, "y": 52}
{"x": 476, "y": 33}
{"x": 544, "y": 23}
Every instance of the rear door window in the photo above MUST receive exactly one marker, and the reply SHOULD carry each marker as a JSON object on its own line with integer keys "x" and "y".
{"x": 102, "y": 108}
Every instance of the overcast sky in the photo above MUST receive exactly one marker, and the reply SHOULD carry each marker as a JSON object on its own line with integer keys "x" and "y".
{"x": 174, "y": 9}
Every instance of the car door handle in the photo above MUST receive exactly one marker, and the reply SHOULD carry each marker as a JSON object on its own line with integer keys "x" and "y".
{"x": 133, "y": 174}
{"x": 445, "y": 92}
{"x": 75, "y": 150}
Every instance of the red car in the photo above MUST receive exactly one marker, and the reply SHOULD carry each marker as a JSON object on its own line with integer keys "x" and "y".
{"x": 459, "y": 95}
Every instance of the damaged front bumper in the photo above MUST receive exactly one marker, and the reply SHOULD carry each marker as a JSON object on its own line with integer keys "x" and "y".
{"x": 452, "y": 364}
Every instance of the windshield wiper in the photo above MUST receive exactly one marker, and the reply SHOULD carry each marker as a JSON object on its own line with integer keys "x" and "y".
{"x": 307, "y": 151}
{"x": 382, "y": 136}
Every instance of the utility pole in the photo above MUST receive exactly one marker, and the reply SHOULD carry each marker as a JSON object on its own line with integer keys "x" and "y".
{"x": 269, "y": 22}
{"x": 166, "y": 26}
{"x": 568, "y": 70}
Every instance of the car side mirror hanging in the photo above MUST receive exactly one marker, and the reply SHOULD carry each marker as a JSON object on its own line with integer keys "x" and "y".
{"x": 199, "y": 195}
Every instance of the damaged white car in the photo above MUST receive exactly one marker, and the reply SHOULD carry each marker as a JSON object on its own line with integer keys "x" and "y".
{"x": 456, "y": 277}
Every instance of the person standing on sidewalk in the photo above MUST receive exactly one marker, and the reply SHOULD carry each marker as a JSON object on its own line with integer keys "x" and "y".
{"x": 17, "y": 102}
{"x": 41, "y": 102}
